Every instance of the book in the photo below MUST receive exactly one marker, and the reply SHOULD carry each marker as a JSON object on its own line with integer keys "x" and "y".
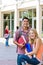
{"x": 21, "y": 40}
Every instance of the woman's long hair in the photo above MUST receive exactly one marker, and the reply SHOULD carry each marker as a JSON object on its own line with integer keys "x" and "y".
{"x": 36, "y": 35}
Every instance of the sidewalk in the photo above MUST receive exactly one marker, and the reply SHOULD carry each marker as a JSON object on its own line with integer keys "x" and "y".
{"x": 2, "y": 40}
{"x": 8, "y": 55}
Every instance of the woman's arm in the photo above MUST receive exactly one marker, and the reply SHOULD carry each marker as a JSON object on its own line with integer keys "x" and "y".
{"x": 26, "y": 51}
{"x": 37, "y": 46}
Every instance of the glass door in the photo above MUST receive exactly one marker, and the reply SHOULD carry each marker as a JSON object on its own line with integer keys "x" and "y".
{"x": 6, "y": 20}
{"x": 9, "y": 20}
{"x": 34, "y": 23}
{"x": 12, "y": 23}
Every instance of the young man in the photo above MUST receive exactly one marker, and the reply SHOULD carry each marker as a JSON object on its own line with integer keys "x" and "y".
{"x": 23, "y": 30}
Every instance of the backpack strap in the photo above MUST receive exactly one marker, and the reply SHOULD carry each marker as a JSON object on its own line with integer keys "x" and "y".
{"x": 20, "y": 33}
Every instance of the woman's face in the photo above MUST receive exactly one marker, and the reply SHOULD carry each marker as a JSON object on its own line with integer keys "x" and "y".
{"x": 32, "y": 35}
{"x": 6, "y": 27}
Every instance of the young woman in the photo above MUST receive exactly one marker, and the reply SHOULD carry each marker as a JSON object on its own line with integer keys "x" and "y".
{"x": 33, "y": 57}
{"x": 7, "y": 35}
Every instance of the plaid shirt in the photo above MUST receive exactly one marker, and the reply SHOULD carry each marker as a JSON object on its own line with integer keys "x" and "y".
{"x": 25, "y": 34}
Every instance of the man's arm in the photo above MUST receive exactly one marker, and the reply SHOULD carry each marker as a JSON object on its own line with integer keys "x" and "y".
{"x": 20, "y": 45}
{"x": 16, "y": 36}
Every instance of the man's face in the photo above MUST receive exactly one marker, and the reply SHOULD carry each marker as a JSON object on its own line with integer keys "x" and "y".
{"x": 25, "y": 23}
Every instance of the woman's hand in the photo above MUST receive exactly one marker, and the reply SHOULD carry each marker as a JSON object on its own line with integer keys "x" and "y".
{"x": 28, "y": 55}
{"x": 9, "y": 31}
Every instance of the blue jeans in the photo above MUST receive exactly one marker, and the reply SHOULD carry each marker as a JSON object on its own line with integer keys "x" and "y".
{"x": 7, "y": 39}
{"x": 7, "y": 42}
{"x": 18, "y": 57}
{"x": 29, "y": 60}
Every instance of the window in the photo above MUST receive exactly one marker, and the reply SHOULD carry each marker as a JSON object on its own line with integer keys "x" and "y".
{"x": 30, "y": 22}
{"x": 9, "y": 20}
{"x": 42, "y": 13}
{"x": 20, "y": 14}
{"x": 30, "y": 13}
{"x": 6, "y": 20}
{"x": 34, "y": 12}
{"x": 25, "y": 13}
{"x": 6, "y": 16}
{"x": 12, "y": 15}
{"x": 35, "y": 24}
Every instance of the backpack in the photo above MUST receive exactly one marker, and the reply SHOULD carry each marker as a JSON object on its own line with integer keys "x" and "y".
{"x": 6, "y": 36}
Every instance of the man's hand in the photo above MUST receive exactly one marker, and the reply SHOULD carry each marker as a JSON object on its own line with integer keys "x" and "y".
{"x": 21, "y": 45}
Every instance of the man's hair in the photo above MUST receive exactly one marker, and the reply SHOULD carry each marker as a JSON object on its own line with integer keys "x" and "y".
{"x": 25, "y": 18}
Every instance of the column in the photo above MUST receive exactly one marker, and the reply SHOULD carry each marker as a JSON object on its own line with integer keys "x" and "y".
{"x": 10, "y": 24}
{"x": 0, "y": 25}
{"x": 15, "y": 18}
{"x": 38, "y": 14}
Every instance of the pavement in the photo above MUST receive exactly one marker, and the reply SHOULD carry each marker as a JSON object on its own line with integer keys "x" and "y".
{"x": 8, "y": 55}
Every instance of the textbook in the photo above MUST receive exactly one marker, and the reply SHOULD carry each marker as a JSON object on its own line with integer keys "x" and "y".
{"x": 21, "y": 40}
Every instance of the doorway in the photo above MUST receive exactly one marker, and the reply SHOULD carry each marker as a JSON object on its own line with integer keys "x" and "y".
{"x": 9, "y": 20}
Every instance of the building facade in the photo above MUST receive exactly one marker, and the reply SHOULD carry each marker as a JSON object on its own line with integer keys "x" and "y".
{"x": 12, "y": 12}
